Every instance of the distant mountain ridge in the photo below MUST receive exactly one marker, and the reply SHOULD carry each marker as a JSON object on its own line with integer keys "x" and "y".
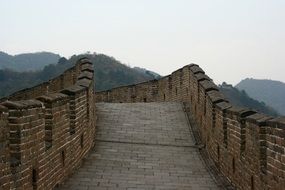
{"x": 241, "y": 99}
{"x": 109, "y": 73}
{"x": 27, "y": 61}
{"x": 269, "y": 91}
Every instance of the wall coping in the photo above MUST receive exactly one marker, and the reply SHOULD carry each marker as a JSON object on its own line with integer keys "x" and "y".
{"x": 22, "y": 104}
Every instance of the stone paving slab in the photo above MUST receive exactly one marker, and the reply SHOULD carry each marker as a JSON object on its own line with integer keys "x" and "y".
{"x": 156, "y": 123}
{"x": 142, "y": 146}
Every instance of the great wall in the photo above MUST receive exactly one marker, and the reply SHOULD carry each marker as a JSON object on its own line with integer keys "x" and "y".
{"x": 46, "y": 131}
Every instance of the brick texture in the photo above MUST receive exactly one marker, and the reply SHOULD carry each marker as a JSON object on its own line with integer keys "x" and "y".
{"x": 246, "y": 147}
{"x": 46, "y": 131}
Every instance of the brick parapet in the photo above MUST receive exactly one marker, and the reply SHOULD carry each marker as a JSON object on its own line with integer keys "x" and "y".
{"x": 247, "y": 147}
{"x": 5, "y": 175}
{"x": 38, "y": 146}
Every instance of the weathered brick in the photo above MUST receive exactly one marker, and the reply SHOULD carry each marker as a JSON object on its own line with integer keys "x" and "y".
{"x": 42, "y": 153}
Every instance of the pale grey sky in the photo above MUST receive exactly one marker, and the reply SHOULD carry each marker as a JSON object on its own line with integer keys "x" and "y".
{"x": 229, "y": 39}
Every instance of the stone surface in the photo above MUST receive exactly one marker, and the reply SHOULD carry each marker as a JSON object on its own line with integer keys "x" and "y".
{"x": 142, "y": 146}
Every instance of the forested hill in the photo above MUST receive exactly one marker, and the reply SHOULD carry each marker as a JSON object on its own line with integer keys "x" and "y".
{"x": 27, "y": 61}
{"x": 242, "y": 99}
{"x": 269, "y": 91}
{"x": 109, "y": 73}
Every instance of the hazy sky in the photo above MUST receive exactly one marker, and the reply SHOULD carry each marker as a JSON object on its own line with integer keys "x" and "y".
{"x": 229, "y": 39}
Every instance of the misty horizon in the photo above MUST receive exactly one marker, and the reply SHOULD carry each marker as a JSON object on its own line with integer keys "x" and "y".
{"x": 230, "y": 40}
{"x": 133, "y": 66}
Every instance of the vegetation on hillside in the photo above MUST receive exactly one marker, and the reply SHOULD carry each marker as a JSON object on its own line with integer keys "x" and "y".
{"x": 109, "y": 73}
{"x": 27, "y": 61}
{"x": 242, "y": 99}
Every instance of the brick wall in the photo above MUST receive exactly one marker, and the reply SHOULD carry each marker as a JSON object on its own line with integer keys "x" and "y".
{"x": 247, "y": 147}
{"x": 46, "y": 131}
{"x": 5, "y": 171}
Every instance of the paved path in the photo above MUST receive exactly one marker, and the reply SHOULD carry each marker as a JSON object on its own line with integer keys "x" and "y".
{"x": 142, "y": 146}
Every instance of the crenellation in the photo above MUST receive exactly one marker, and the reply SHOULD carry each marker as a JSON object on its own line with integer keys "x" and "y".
{"x": 247, "y": 147}
{"x": 45, "y": 131}
{"x": 213, "y": 126}
{"x": 176, "y": 85}
{"x": 201, "y": 107}
{"x": 86, "y": 75}
{"x": 84, "y": 82}
{"x": 208, "y": 85}
{"x": 26, "y": 142}
{"x": 275, "y": 151}
{"x": 163, "y": 92}
{"x": 56, "y": 115}
{"x": 255, "y": 149}
{"x": 38, "y": 150}
{"x": 185, "y": 84}
{"x": 77, "y": 106}
{"x": 196, "y": 69}
{"x": 195, "y": 89}
{"x": 53, "y": 98}
{"x": 216, "y": 97}
{"x": 201, "y": 77}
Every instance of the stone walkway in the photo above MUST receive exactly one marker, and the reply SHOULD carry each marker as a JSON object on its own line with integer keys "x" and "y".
{"x": 142, "y": 146}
